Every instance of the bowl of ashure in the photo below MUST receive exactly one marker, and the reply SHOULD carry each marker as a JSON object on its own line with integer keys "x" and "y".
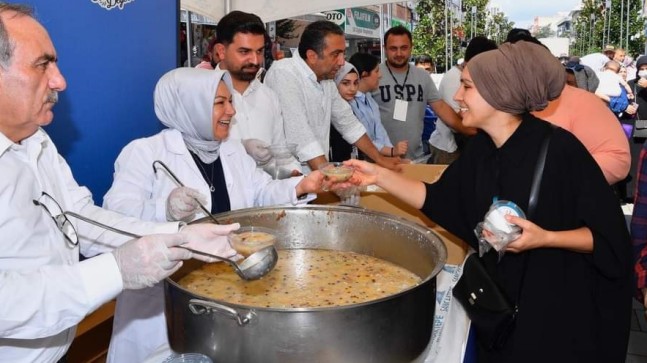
{"x": 249, "y": 239}
{"x": 336, "y": 171}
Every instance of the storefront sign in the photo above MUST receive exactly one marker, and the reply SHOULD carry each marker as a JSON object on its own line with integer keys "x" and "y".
{"x": 111, "y": 4}
{"x": 336, "y": 16}
{"x": 196, "y": 18}
{"x": 363, "y": 22}
{"x": 404, "y": 23}
{"x": 271, "y": 29}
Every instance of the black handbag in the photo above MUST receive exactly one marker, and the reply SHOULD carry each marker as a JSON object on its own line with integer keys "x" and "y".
{"x": 492, "y": 313}
{"x": 640, "y": 129}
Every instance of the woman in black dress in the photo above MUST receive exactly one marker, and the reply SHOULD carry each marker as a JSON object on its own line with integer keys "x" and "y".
{"x": 575, "y": 300}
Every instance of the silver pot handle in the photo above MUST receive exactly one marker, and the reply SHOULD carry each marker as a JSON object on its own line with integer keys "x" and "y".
{"x": 199, "y": 307}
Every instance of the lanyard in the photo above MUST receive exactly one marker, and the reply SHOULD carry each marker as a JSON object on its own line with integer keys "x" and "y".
{"x": 405, "y": 76}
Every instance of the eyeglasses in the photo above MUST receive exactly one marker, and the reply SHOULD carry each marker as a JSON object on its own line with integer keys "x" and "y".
{"x": 63, "y": 223}
{"x": 51, "y": 206}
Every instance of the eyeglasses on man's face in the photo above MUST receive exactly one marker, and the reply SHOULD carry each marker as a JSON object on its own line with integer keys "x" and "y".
{"x": 51, "y": 206}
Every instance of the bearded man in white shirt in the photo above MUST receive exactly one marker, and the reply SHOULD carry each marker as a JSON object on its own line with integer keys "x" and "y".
{"x": 310, "y": 101}
{"x": 44, "y": 290}
{"x": 258, "y": 122}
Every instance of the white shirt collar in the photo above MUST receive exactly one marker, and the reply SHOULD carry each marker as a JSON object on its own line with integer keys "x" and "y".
{"x": 5, "y": 143}
{"x": 253, "y": 85}
{"x": 303, "y": 67}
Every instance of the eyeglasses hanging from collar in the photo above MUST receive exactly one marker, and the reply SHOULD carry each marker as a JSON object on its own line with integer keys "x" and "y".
{"x": 51, "y": 206}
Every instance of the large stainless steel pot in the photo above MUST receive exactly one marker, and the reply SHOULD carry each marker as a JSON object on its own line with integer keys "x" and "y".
{"x": 393, "y": 329}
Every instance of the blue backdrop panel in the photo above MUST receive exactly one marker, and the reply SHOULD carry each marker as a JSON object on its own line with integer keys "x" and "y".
{"x": 111, "y": 60}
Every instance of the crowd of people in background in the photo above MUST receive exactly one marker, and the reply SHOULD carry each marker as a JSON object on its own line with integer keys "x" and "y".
{"x": 410, "y": 113}
{"x": 401, "y": 110}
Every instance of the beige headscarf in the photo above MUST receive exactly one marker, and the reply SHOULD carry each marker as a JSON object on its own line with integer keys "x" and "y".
{"x": 184, "y": 101}
{"x": 518, "y": 78}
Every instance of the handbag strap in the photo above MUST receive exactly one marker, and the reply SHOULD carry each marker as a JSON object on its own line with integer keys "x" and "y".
{"x": 532, "y": 200}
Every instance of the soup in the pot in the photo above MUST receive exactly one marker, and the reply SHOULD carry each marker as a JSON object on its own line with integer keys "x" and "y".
{"x": 305, "y": 278}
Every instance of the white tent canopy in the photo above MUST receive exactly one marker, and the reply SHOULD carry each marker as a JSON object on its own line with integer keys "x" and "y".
{"x": 271, "y": 10}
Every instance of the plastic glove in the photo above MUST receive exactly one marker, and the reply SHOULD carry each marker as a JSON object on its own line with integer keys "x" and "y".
{"x": 182, "y": 204}
{"x": 146, "y": 261}
{"x": 258, "y": 150}
{"x": 209, "y": 238}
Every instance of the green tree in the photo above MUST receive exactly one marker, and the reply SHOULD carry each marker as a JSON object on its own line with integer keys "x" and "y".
{"x": 545, "y": 32}
{"x": 498, "y": 26}
{"x": 431, "y": 35}
{"x": 589, "y": 27}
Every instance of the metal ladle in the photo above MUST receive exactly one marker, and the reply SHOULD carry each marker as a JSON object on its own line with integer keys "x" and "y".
{"x": 257, "y": 265}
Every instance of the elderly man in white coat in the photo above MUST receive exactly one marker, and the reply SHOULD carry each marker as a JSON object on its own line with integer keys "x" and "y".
{"x": 45, "y": 291}
{"x": 196, "y": 107}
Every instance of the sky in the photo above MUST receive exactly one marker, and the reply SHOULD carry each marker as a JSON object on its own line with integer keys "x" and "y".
{"x": 523, "y": 12}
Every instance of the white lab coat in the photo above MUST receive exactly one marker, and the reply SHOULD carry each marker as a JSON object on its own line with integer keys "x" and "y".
{"x": 44, "y": 289}
{"x": 139, "y": 326}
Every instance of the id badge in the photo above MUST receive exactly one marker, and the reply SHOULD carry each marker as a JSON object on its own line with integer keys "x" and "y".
{"x": 400, "y": 110}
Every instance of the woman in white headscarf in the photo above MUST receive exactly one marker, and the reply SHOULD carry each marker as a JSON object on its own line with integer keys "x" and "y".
{"x": 196, "y": 107}
{"x": 355, "y": 81}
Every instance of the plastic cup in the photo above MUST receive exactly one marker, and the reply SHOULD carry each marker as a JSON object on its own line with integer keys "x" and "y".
{"x": 336, "y": 172}
{"x": 285, "y": 151}
{"x": 188, "y": 358}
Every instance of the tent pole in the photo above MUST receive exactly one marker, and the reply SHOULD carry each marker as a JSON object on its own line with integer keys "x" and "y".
{"x": 382, "y": 31}
{"x": 189, "y": 38}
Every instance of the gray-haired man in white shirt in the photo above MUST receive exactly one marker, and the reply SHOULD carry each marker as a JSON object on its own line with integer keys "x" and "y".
{"x": 310, "y": 101}
{"x": 44, "y": 289}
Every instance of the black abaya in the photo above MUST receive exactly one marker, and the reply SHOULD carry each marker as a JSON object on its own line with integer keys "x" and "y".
{"x": 574, "y": 307}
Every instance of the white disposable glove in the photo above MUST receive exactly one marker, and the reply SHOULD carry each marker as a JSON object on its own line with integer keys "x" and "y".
{"x": 258, "y": 150}
{"x": 210, "y": 238}
{"x": 145, "y": 261}
{"x": 182, "y": 204}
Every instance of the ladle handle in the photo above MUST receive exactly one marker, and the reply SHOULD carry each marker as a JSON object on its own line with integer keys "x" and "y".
{"x": 101, "y": 225}
{"x": 179, "y": 183}
{"x": 133, "y": 235}
{"x": 223, "y": 259}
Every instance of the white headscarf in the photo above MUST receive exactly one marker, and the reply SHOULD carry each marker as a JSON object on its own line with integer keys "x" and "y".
{"x": 343, "y": 71}
{"x": 184, "y": 102}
